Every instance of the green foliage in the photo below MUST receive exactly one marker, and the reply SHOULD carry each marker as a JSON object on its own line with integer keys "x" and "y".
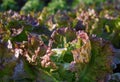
{"x": 55, "y": 5}
{"x": 33, "y": 5}
{"x": 9, "y": 4}
{"x": 91, "y": 1}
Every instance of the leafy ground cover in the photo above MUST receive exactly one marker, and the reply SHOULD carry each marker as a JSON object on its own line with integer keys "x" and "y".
{"x": 77, "y": 45}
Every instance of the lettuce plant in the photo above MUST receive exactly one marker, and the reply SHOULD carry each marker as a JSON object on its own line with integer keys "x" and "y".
{"x": 35, "y": 50}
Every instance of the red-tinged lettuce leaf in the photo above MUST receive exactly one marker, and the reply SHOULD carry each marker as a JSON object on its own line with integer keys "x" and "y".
{"x": 83, "y": 54}
{"x": 62, "y": 36}
{"x": 101, "y": 57}
{"x": 32, "y": 49}
{"x": 92, "y": 55}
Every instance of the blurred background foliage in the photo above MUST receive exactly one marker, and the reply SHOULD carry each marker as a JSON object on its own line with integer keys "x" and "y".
{"x": 52, "y": 5}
